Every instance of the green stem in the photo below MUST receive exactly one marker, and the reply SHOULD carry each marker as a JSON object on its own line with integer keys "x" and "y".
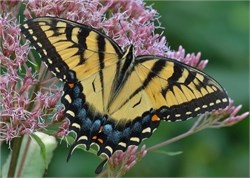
{"x": 179, "y": 137}
{"x": 14, "y": 156}
{"x": 198, "y": 126}
{"x": 24, "y": 156}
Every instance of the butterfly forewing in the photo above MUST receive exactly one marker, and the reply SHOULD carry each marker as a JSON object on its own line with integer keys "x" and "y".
{"x": 75, "y": 52}
{"x": 158, "y": 82}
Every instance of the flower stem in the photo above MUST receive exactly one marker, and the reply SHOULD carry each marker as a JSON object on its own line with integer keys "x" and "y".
{"x": 14, "y": 157}
{"x": 170, "y": 140}
{"x": 102, "y": 174}
{"x": 23, "y": 158}
{"x": 199, "y": 125}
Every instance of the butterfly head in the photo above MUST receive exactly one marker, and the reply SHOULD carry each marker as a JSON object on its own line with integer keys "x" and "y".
{"x": 129, "y": 49}
{"x": 129, "y": 55}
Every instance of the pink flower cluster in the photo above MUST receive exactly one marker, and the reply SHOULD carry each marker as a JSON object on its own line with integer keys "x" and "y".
{"x": 190, "y": 59}
{"x": 23, "y": 108}
{"x": 127, "y": 22}
{"x": 122, "y": 162}
{"x": 232, "y": 115}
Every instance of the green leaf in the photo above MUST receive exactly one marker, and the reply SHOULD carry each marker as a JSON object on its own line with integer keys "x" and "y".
{"x": 34, "y": 156}
{"x": 5, "y": 168}
{"x": 42, "y": 148}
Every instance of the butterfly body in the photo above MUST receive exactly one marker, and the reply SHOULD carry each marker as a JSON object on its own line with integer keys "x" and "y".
{"x": 113, "y": 98}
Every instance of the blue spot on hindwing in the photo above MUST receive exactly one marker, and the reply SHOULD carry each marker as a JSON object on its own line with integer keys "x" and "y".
{"x": 86, "y": 124}
{"x": 115, "y": 137}
{"x": 107, "y": 129}
{"x": 78, "y": 103}
{"x": 126, "y": 132}
{"x": 96, "y": 126}
{"x": 82, "y": 114}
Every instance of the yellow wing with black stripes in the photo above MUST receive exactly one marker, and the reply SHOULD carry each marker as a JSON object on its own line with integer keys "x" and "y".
{"x": 112, "y": 98}
{"x": 176, "y": 90}
{"x": 74, "y": 52}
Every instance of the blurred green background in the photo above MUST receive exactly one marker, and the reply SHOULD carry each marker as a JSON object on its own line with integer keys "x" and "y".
{"x": 220, "y": 30}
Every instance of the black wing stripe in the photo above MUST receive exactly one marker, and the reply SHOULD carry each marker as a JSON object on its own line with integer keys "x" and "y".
{"x": 157, "y": 68}
{"x": 190, "y": 78}
{"x": 82, "y": 35}
{"x": 176, "y": 74}
{"x": 101, "y": 48}
{"x": 68, "y": 32}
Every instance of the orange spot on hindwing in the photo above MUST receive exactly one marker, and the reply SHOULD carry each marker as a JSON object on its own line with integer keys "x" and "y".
{"x": 71, "y": 85}
{"x": 100, "y": 140}
{"x": 155, "y": 118}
